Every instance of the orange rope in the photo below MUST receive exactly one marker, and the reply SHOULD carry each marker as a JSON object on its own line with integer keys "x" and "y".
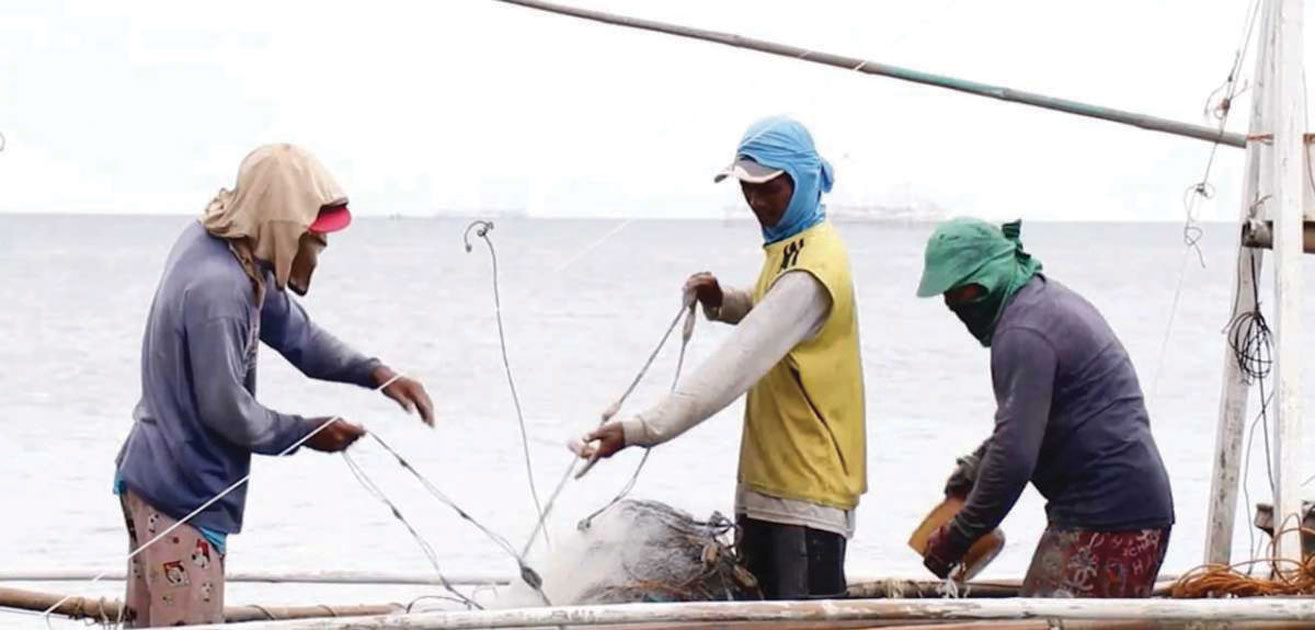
{"x": 1217, "y": 580}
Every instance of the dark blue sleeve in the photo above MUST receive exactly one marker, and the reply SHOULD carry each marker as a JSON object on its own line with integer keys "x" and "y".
{"x": 1023, "y": 366}
{"x": 218, "y": 364}
{"x": 285, "y": 327}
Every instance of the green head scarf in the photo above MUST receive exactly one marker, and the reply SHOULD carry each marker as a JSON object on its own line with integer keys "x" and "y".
{"x": 967, "y": 251}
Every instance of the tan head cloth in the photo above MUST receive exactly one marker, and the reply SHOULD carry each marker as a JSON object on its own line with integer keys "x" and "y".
{"x": 280, "y": 190}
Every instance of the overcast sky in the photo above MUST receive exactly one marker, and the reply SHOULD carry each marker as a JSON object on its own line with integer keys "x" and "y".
{"x": 471, "y": 106}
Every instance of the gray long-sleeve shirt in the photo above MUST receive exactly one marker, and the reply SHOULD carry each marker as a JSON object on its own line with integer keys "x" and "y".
{"x": 792, "y": 311}
{"x": 1070, "y": 418}
{"x": 198, "y": 421}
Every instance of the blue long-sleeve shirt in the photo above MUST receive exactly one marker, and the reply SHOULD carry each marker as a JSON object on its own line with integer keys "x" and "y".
{"x": 1070, "y": 419}
{"x": 198, "y": 421}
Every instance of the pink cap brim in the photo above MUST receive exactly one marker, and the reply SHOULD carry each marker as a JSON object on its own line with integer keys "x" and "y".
{"x": 332, "y": 219}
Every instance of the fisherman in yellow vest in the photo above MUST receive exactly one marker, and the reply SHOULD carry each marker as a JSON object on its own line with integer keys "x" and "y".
{"x": 795, "y": 351}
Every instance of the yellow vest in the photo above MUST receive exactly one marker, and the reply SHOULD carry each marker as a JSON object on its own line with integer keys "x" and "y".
{"x": 804, "y": 431}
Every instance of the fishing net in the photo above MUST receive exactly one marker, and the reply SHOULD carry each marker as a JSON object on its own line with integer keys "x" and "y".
{"x": 643, "y": 551}
{"x": 677, "y": 559}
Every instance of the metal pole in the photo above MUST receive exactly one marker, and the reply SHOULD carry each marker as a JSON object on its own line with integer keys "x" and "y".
{"x": 865, "y": 66}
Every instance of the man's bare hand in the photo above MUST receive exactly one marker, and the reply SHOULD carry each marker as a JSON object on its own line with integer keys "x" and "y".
{"x": 408, "y": 393}
{"x": 335, "y": 437}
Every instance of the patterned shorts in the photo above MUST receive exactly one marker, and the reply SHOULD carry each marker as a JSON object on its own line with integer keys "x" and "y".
{"x": 1081, "y": 563}
{"x": 178, "y": 579}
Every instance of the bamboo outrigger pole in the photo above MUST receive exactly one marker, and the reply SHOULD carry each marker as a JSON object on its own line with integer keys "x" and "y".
{"x": 865, "y": 66}
{"x": 112, "y": 610}
{"x": 1291, "y": 613}
{"x": 276, "y": 577}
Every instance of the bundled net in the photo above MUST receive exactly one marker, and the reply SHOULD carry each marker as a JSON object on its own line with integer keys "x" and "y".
{"x": 678, "y": 559}
{"x": 643, "y": 551}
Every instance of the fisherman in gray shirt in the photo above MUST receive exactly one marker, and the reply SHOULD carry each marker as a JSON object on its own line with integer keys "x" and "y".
{"x": 222, "y": 293}
{"x": 1070, "y": 419}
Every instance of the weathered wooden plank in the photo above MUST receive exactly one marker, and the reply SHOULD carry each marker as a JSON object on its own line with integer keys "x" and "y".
{"x": 875, "y": 612}
{"x": 1289, "y": 116}
{"x": 860, "y": 586}
{"x": 108, "y": 609}
{"x": 1043, "y": 624}
{"x": 237, "y": 614}
{"x": 1235, "y": 389}
{"x": 1007, "y": 624}
{"x": 914, "y": 589}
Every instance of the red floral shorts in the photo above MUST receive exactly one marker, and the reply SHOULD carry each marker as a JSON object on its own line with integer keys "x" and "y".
{"x": 1081, "y": 563}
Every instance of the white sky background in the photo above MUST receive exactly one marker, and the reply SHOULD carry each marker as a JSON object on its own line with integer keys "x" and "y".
{"x": 466, "y": 106}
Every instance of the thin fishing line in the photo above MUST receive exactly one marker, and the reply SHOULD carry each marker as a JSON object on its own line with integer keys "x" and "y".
{"x": 1192, "y": 231}
{"x": 225, "y": 492}
{"x": 607, "y": 415}
{"x": 634, "y": 477}
{"x": 647, "y": 364}
{"x": 446, "y": 500}
{"x": 374, "y": 490}
{"x": 552, "y": 499}
{"x": 1246, "y": 478}
{"x": 528, "y": 574}
{"x": 1250, "y": 339}
{"x": 482, "y": 229}
{"x": 592, "y": 246}
{"x": 484, "y": 226}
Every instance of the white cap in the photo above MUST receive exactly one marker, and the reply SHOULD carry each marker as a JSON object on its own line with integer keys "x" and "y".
{"x": 747, "y": 170}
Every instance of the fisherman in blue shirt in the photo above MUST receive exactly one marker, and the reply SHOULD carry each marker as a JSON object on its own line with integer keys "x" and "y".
{"x": 222, "y": 293}
{"x": 1070, "y": 419}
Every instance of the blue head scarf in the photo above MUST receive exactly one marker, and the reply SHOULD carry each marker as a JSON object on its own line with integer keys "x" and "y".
{"x": 783, "y": 143}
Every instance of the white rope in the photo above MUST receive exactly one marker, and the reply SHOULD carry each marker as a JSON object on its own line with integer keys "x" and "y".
{"x": 634, "y": 477}
{"x": 948, "y": 589}
{"x": 482, "y": 229}
{"x": 1168, "y": 332}
{"x": 607, "y": 415}
{"x": 374, "y": 490}
{"x": 237, "y": 484}
{"x": 616, "y": 230}
{"x": 581, "y": 254}
{"x": 893, "y": 588}
{"x": 611, "y": 411}
{"x": 527, "y": 573}
{"x": 394, "y": 379}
